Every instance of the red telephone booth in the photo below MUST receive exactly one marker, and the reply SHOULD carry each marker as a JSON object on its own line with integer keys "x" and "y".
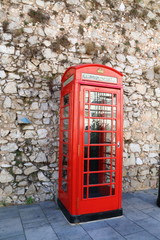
{"x": 90, "y": 155}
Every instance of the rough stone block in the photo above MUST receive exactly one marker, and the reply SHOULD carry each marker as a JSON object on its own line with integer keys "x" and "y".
{"x": 30, "y": 170}
{"x": 10, "y": 87}
{"x": 5, "y": 177}
{"x": 134, "y": 147}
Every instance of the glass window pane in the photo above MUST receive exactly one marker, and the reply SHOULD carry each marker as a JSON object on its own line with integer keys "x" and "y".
{"x": 100, "y": 124}
{"x": 64, "y": 186}
{"x": 94, "y": 165}
{"x": 108, "y": 149}
{"x": 85, "y": 165}
{"x": 95, "y": 137}
{"x": 114, "y": 112}
{"x": 66, "y": 112}
{"x": 86, "y": 138}
{"x": 114, "y": 137}
{"x": 64, "y": 174}
{"x": 95, "y": 124}
{"x": 85, "y": 179}
{"x": 113, "y": 189}
{"x": 65, "y": 136}
{"x": 113, "y": 177}
{"x": 99, "y": 191}
{"x": 94, "y": 97}
{"x": 100, "y": 137}
{"x": 107, "y": 138}
{"x": 113, "y": 164}
{"x": 85, "y": 192}
{"x": 86, "y": 111}
{"x": 114, "y": 125}
{"x": 102, "y": 98}
{"x": 100, "y": 111}
{"x": 107, "y": 164}
{"x": 65, "y": 161}
{"x": 86, "y": 97}
{"x": 66, "y": 99}
{"x": 113, "y": 151}
{"x": 99, "y": 164}
{"x": 108, "y": 177}
{"x": 65, "y": 149}
{"x": 85, "y": 152}
{"x": 99, "y": 178}
{"x": 86, "y": 124}
{"x": 65, "y": 124}
{"x": 114, "y": 99}
{"x": 100, "y": 151}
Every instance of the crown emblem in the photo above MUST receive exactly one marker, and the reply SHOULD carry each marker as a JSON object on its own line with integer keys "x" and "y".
{"x": 100, "y": 70}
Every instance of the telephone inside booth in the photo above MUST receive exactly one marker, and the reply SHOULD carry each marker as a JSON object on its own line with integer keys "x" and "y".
{"x": 90, "y": 155}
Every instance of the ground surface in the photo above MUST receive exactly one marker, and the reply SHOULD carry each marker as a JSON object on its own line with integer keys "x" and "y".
{"x": 44, "y": 221}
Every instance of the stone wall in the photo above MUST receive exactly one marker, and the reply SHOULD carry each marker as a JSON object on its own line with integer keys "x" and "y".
{"x": 39, "y": 40}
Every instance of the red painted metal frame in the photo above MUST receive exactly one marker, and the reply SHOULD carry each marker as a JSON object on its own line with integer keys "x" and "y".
{"x": 72, "y": 199}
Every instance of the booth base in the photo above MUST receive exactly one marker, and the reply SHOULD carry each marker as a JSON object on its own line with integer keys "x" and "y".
{"x": 90, "y": 216}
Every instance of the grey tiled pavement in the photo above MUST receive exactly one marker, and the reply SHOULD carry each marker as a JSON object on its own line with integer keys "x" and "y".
{"x": 44, "y": 221}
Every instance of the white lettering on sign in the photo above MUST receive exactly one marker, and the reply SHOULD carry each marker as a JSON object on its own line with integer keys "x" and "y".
{"x": 70, "y": 79}
{"x": 94, "y": 77}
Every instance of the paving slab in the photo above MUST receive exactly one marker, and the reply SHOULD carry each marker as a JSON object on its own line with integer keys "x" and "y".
{"x": 107, "y": 233}
{"x": 73, "y": 232}
{"x": 127, "y": 196}
{"x": 153, "y": 212}
{"x": 140, "y": 236}
{"x": 10, "y": 227}
{"x": 147, "y": 196}
{"x": 40, "y": 233}
{"x": 32, "y": 216}
{"x": 93, "y": 225}
{"x": 138, "y": 203}
{"x": 48, "y": 205}
{"x": 60, "y": 225}
{"x": 20, "y": 237}
{"x": 28, "y": 206}
{"x": 8, "y": 212}
{"x": 151, "y": 225}
{"x": 134, "y": 214}
{"x": 124, "y": 226}
{"x": 152, "y": 191}
{"x": 53, "y": 215}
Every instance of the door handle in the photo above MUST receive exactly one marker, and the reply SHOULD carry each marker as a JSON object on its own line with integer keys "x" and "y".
{"x": 118, "y": 144}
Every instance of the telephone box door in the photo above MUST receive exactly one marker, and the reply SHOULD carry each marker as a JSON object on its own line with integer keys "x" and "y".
{"x": 100, "y": 150}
